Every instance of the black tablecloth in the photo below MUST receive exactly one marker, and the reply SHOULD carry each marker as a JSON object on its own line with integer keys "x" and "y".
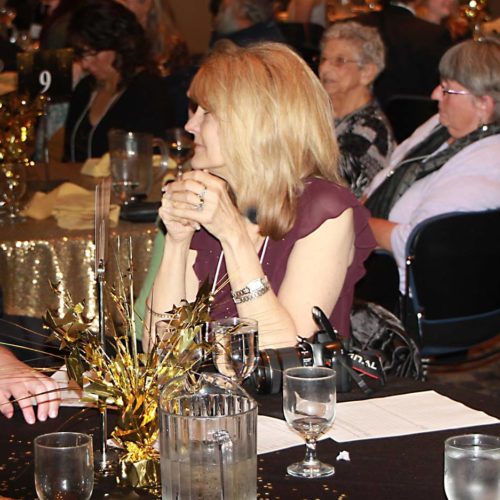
{"x": 405, "y": 467}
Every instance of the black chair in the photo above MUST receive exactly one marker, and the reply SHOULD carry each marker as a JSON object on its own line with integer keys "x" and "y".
{"x": 407, "y": 112}
{"x": 380, "y": 284}
{"x": 453, "y": 281}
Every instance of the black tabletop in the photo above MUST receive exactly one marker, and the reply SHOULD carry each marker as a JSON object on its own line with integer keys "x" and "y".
{"x": 409, "y": 467}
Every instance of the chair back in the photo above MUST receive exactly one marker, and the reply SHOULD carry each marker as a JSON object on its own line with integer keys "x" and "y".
{"x": 407, "y": 112}
{"x": 453, "y": 275}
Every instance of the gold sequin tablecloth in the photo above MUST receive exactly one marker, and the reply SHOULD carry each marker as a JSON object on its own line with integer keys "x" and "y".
{"x": 34, "y": 253}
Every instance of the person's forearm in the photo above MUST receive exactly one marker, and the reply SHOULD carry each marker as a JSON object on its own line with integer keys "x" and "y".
{"x": 276, "y": 326}
{"x": 382, "y": 230}
{"x": 169, "y": 287}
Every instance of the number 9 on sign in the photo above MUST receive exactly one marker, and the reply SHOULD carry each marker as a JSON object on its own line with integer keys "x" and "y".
{"x": 45, "y": 80}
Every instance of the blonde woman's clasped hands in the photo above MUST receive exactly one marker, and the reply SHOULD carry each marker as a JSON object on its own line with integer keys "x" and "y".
{"x": 198, "y": 199}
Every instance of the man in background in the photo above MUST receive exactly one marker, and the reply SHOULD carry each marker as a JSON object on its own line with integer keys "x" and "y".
{"x": 245, "y": 22}
{"x": 413, "y": 50}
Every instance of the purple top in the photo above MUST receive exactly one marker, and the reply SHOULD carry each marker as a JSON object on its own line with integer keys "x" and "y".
{"x": 320, "y": 201}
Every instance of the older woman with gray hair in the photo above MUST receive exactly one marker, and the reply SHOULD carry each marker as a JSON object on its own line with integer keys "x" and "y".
{"x": 451, "y": 162}
{"x": 352, "y": 56}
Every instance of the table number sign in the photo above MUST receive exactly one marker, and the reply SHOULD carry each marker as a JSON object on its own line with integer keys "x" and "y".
{"x": 47, "y": 72}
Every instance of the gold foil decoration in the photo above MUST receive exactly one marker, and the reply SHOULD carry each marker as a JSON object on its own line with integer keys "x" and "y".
{"x": 126, "y": 380}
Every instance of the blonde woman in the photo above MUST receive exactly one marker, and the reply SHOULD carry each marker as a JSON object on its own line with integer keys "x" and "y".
{"x": 263, "y": 204}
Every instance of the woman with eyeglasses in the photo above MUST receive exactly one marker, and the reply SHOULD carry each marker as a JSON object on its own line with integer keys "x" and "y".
{"x": 450, "y": 163}
{"x": 121, "y": 90}
{"x": 352, "y": 56}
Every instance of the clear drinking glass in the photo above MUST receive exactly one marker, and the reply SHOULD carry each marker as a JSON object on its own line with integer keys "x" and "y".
{"x": 309, "y": 401}
{"x": 131, "y": 163}
{"x": 180, "y": 146}
{"x": 64, "y": 466}
{"x": 236, "y": 347}
{"x": 472, "y": 467}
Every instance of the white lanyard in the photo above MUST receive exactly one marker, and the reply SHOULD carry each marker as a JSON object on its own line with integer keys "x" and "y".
{"x": 221, "y": 256}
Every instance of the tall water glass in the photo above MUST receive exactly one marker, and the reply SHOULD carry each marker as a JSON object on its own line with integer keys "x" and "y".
{"x": 236, "y": 347}
{"x": 64, "y": 466}
{"x": 131, "y": 163}
{"x": 309, "y": 403}
{"x": 472, "y": 467}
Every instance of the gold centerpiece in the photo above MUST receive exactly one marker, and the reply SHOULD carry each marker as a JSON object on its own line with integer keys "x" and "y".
{"x": 122, "y": 379}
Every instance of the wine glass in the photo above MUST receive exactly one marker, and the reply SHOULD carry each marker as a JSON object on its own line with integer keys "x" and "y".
{"x": 12, "y": 189}
{"x": 235, "y": 347}
{"x": 309, "y": 400}
{"x": 180, "y": 146}
{"x": 64, "y": 466}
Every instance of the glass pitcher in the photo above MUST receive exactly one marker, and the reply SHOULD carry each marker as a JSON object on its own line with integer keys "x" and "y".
{"x": 131, "y": 162}
{"x": 208, "y": 440}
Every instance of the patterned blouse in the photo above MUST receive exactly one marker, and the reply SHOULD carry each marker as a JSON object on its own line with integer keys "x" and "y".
{"x": 366, "y": 143}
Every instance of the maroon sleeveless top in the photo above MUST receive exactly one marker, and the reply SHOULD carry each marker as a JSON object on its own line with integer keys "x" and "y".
{"x": 320, "y": 201}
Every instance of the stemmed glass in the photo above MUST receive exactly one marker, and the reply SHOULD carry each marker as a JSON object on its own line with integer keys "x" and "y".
{"x": 180, "y": 146}
{"x": 12, "y": 189}
{"x": 235, "y": 347}
{"x": 309, "y": 401}
{"x": 64, "y": 466}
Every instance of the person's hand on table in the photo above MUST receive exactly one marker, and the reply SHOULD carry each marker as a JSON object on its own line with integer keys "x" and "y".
{"x": 21, "y": 382}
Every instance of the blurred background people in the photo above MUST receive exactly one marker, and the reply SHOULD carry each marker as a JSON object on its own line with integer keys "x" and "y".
{"x": 22, "y": 383}
{"x": 55, "y": 25}
{"x": 352, "y": 56}
{"x": 435, "y": 11}
{"x": 122, "y": 89}
{"x": 307, "y": 11}
{"x": 413, "y": 50}
{"x": 451, "y": 162}
{"x": 169, "y": 50}
{"x": 245, "y": 21}
{"x": 445, "y": 13}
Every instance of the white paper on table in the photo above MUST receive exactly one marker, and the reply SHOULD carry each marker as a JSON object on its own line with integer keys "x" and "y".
{"x": 275, "y": 434}
{"x": 412, "y": 413}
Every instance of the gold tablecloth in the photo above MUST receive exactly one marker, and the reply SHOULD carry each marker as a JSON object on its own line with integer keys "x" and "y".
{"x": 34, "y": 253}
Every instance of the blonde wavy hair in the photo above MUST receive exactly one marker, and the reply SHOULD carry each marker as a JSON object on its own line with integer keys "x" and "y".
{"x": 275, "y": 124}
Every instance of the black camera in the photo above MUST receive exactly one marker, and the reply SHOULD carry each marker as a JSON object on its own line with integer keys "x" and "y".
{"x": 324, "y": 348}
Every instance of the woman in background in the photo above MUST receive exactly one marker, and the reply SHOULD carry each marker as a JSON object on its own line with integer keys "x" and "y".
{"x": 352, "y": 56}
{"x": 263, "y": 205}
{"x": 122, "y": 89}
{"x": 450, "y": 163}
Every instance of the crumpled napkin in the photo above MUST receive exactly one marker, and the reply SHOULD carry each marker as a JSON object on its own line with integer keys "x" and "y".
{"x": 100, "y": 167}
{"x": 71, "y": 205}
{"x": 97, "y": 167}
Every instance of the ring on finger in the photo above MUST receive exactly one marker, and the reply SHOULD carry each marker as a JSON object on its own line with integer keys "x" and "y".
{"x": 202, "y": 194}
{"x": 200, "y": 205}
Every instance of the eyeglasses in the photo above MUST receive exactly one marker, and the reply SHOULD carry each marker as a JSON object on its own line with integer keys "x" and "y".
{"x": 81, "y": 53}
{"x": 448, "y": 91}
{"x": 339, "y": 62}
